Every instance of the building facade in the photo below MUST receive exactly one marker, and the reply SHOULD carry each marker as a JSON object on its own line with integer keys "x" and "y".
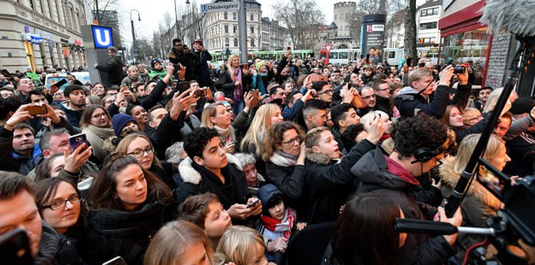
{"x": 221, "y": 28}
{"x": 41, "y": 33}
{"x": 427, "y": 17}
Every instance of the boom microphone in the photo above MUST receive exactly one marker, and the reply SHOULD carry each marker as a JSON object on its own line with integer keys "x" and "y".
{"x": 514, "y": 16}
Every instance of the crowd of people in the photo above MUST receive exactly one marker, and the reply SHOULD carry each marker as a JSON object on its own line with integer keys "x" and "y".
{"x": 182, "y": 163}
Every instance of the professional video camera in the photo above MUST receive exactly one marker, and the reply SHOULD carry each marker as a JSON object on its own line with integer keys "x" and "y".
{"x": 515, "y": 221}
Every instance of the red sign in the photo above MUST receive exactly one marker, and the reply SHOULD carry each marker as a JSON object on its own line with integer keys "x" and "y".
{"x": 78, "y": 42}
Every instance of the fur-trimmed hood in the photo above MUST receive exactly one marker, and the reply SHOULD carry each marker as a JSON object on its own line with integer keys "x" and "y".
{"x": 190, "y": 175}
{"x": 450, "y": 177}
{"x": 319, "y": 158}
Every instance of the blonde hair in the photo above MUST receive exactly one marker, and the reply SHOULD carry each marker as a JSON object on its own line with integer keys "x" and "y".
{"x": 171, "y": 242}
{"x": 208, "y": 112}
{"x": 256, "y": 134}
{"x": 417, "y": 74}
{"x": 230, "y": 69}
{"x": 237, "y": 245}
{"x": 371, "y": 116}
{"x": 467, "y": 146}
{"x": 470, "y": 113}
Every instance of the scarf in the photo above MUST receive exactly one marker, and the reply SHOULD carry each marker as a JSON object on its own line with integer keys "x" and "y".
{"x": 238, "y": 90}
{"x": 282, "y": 159}
{"x": 285, "y": 226}
{"x": 102, "y": 133}
{"x": 226, "y": 135}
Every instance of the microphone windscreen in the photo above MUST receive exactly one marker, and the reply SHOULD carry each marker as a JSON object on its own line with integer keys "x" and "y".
{"x": 513, "y": 16}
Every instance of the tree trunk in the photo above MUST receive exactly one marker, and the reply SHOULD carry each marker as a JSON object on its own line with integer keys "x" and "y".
{"x": 410, "y": 30}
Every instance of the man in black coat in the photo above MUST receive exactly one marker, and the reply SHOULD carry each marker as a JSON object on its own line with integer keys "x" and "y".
{"x": 178, "y": 56}
{"x": 419, "y": 143}
{"x": 210, "y": 169}
{"x": 114, "y": 68}
{"x": 424, "y": 95}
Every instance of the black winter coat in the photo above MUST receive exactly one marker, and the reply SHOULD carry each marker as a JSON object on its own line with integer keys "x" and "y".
{"x": 373, "y": 172}
{"x": 120, "y": 233}
{"x": 228, "y": 86}
{"x": 193, "y": 179}
{"x": 329, "y": 183}
{"x": 114, "y": 68}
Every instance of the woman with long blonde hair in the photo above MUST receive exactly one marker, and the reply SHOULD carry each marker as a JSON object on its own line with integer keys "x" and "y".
{"x": 478, "y": 202}
{"x": 235, "y": 82}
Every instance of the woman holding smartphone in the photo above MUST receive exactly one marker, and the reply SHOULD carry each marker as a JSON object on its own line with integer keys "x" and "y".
{"x": 235, "y": 82}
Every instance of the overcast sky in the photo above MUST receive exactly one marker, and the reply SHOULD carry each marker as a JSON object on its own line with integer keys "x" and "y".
{"x": 152, "y": 11}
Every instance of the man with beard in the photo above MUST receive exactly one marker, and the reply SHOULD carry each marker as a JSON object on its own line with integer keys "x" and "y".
{"x": 370, "y": 99}
{"x": 74, "y": 107}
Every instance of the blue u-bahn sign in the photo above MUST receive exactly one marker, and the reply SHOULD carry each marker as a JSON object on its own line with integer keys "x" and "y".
{"x": 102, "y": 37}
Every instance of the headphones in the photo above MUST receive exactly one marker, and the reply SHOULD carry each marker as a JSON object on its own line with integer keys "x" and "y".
{"x": 424, "y": 154}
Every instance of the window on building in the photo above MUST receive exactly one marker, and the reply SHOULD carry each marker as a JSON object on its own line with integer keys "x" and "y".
{"x": 252, "y": 29}
{"x": 430, "y": 25}
{"x": 226, "y": 28}
{"x": 234, "y": 29}
{"x": 251, "y": 17}
{"x": 335, "y": 17}
{"x": 429, "y": 12}
{"x": 234, "y": 16}
{"x": 225, "y": 15}
{"x": 235, "y": 42}
{"x": 252, "y": 43}
{"x": 226, "y": 42}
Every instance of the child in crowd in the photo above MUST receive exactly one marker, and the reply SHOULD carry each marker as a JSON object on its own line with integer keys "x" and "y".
{"x": 241, "y": 245}
{"x": 277, "y": 221}
{"x": 206, "y": 211}
{"x": 157, "y": 69}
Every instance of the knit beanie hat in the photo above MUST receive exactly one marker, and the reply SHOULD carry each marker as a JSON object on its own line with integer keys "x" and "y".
{"x": 259, "y": 64}
{"x": 119, "y": 121}
{"x": 522, "y": 105}
{"x": 153, "y": 62}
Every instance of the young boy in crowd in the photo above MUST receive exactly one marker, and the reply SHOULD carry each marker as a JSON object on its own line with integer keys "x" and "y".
{"x": 157, "y": 69}
{"x": 206, "y": 211}
{"x": 277, "y": 222}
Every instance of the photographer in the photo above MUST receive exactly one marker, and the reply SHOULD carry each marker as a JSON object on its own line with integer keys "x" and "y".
{"x": 424, "y": 95}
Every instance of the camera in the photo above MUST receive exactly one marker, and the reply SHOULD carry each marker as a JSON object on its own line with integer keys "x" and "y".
{"x": 459, "y": 69}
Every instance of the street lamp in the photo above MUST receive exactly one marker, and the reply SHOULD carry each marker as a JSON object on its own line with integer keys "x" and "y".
{"x": 133, "y": 33}
{"x": 176, "y": 19}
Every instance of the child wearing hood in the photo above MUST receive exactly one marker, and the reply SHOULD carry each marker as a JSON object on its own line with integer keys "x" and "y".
{"x": 157, "y": 69}
{"x": 276, "y": 223}
{"x": 261, "y": 77}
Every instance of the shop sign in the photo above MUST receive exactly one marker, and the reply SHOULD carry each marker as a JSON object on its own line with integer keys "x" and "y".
{"x": 64, "y": 41}
{"x": 43, "y": 34}
{"x": 78, "y": 42}
{"x": 33, "y": 38}
{"x": 102, "y": 37}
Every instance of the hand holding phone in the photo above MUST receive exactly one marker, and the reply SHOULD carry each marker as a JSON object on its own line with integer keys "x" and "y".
{"x": 253, "y": 203}
{"x": 36, "y": 110}
{"x": 76, "y": 140}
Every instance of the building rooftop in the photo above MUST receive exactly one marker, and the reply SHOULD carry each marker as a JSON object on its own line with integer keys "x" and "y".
{"x": 333, "y": 26}
{"x": 429, "y": 3}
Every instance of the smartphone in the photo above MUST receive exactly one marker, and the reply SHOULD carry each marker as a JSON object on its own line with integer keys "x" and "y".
{"x": 255, "y": 94}
{"x": 15, "y": 248}
{"x": 115, "y": 261}
{"x": 253, "y": 203}
{"x": 35, "y": 110}
{"x": 176, "y": 66}
{"x": 288, "y": 48}
{"x": 183, "y": 86}
{"x": 60, "y": 83}
{"x": 77, "y": 140}
{"x": 245, "y": 66}
{"x": 200, "y": 93}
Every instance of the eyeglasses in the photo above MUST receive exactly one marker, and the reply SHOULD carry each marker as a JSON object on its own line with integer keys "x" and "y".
{"x": 99, "y": 115}
{"x": 296, "y": 139}
{"x": 328, "y": 91}
{"x": 140, "y": 153}
{"x": 368, "y": 97}
{"x": 59, "y": 204}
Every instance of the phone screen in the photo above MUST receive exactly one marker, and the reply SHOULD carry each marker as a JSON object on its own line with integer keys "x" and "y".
{"x": 183, "y": 86}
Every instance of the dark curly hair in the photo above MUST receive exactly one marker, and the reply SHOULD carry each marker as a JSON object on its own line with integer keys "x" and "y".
{"x": 196, "y": 141}
{"x": 416, "y": 132}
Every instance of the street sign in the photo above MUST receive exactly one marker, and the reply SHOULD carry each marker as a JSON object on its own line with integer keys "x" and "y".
{"x": 102, "y": 37}
{"x": 220, "y": 7}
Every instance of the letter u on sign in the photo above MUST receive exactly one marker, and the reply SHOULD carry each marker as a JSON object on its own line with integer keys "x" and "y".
{"x": 102, "y": 37}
